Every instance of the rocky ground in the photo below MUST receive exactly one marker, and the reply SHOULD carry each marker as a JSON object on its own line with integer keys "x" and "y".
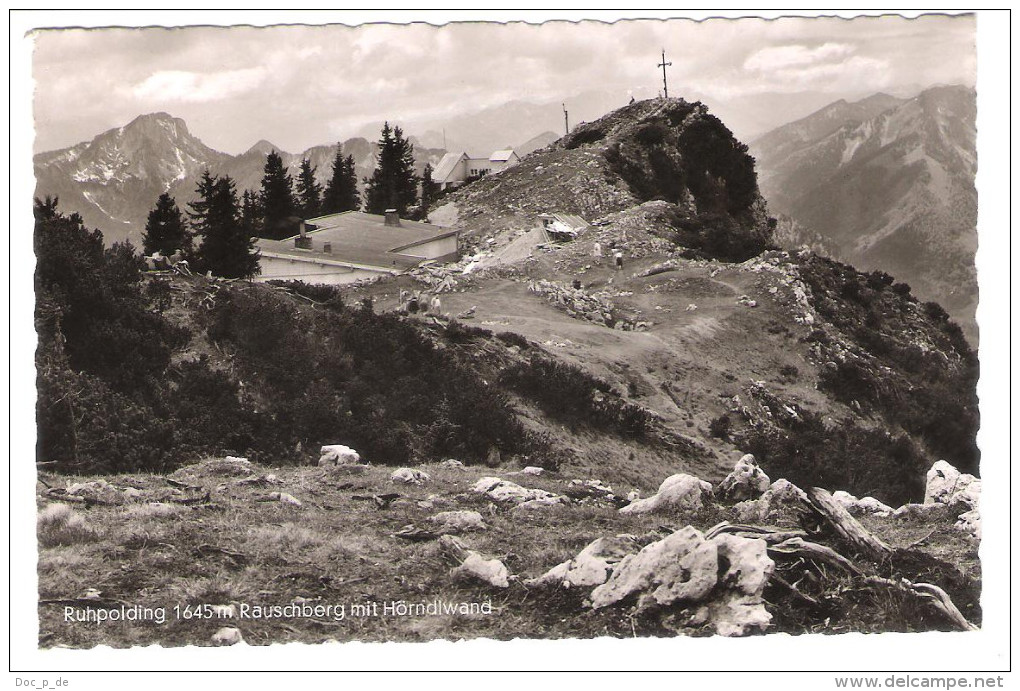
{"x": 217, "y": 545}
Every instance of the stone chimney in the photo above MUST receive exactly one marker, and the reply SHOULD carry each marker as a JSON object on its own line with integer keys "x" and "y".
{"x": 392, "y": 218}
{"x": 327, "y": 247}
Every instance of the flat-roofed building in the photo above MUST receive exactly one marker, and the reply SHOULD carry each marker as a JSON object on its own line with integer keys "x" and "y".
{"x": 346, "y": 247}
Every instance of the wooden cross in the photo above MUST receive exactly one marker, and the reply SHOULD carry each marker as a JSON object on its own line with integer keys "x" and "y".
{"x": 664, "y": 65}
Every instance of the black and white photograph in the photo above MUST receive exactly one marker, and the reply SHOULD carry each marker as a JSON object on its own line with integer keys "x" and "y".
{"x": 565, "y": 332}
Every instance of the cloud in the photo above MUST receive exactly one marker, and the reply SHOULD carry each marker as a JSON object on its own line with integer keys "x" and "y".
{"x": 784, "y": 57}
{"x": 178, "y": 85}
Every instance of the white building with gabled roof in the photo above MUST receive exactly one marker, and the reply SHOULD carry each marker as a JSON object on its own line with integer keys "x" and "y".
{"x": 456, "y": 167}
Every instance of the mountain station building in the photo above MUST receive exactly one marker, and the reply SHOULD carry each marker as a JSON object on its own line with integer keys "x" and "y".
{"x": 346, "y": 247}
{"x": 456, "y": 167}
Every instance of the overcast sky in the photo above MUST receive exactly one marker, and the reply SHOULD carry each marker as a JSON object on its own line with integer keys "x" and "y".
{"x": 299, "y": 86}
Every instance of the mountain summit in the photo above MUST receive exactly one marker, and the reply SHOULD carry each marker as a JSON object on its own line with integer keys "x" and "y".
{"x": 113, "y": 180}
{"x": 667, "y": 151}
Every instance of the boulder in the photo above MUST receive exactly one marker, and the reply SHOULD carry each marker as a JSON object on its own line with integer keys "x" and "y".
{"x": 860, "y": 507}
{"x": 338, "y": 454}
{"x": 929, "y": 512}
{"x": 724, "y": 576}
{"x": 228, "y": 635}
{"x": 540, "y": 504}
{"x": 455, "y": 522}
{"x": 781, "y": 505}
{"x": 969, "y": 522}
{"x": 592, "y": 565}
{"x": 284, "y": 498}
{"x": 508, "y": 492}
{"x": 477, "y": 567}
{"x": 409, "y": 476}
{"x": 677, "y": 492}
{"x": 747, "y": 481}
{"x": 682, "y": 565}
{"x": 451, "y": 463}
{"x": 947, "y": 485}
{"x": 739, "y": 608}
{"x": 533, "y": 470}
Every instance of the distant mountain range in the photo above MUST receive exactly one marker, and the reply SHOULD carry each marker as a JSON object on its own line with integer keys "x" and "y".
{"x": 889, "y": 183}
{"x": 113, "y": 180}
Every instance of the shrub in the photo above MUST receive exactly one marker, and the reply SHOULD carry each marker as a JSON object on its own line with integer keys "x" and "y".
{"x": 720, "y": 427}
{"x": 512, "y": 338}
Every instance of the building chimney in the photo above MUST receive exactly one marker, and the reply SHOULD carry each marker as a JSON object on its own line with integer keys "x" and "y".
{"x": 392, "y": 218}
{"x": 327, "y": 247}
{"x": 301, "y": 229}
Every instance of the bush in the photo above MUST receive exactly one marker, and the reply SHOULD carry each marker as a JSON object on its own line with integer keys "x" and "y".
{"x": 568, "y": 393}
{"x": 720, "y": 427}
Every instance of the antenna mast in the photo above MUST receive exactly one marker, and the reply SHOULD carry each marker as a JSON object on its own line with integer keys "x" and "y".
{"x": 566, "y": 121}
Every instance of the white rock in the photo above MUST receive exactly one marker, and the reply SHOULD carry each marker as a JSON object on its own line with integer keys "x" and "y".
{"x": 681, "y": 566}
{"x": 237, "y": 459}
{"x": 491, "y": 571}
{"x": 409, "y": 476}
{"x": 540, "y": 504}
{"x": 533, "y": 470}
{"x": 927, "y": 511}
{"x": 739, "y": 607}
{"x": 458, "y": 521}
{"x": 940, "y": 483}
{"x": 780, "y": 504}
{"x": 509, "y": 492}
{"x": 452, "y": 463}
{"x": 969, "y": 522}
{"x": 633, "y": 496}
{"x": 874, "y": 506}
{"x": 338, "y": 454}
{"x": 679, "y": 492}
{"x": 747, "y": 481}
{"x": 227, "y": 635}
{"x": 592, "y": 565}
{"x": 285, "y": 498}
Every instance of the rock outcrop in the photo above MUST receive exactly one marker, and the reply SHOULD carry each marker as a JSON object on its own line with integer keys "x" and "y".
{"x": 680, "y": 492}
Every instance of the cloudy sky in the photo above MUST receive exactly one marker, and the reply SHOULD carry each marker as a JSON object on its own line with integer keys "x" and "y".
{"x": 299, "y": 86}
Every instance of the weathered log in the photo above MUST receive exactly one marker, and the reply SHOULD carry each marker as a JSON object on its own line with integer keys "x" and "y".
{"x": 769, "y": 535}
{"x": 846, "y": 526}
{"x": 932, "y": 594}
{"x": 815, "y": 552}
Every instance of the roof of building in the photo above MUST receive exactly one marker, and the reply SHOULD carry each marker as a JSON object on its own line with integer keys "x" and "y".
{"x": 446, "y": 165}
{"x": 572, "y": 221}
{"x": 359, "y": 238}
{"x": 502, "y": 155}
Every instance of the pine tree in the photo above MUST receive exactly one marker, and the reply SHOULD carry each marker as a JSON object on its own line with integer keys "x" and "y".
{"x": 198, "y": 209}
{"x": 393, "y": 184}
{"x": 251, "y": 213}
{"x": 342, "y": 190}
{"x": 277, "y": 199}
{"x": 165, "y": 230}
{"x": 227, "y": 248}
{"x": 309, "y": 192}
{"x": 428, "y": 190}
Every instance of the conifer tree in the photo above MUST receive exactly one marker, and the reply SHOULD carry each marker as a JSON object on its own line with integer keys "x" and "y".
{"x": 428, "y": 190}
{"x": 277, "y": 199}
{"x": 309, "y": 192}
{"x": 227, "y": 249}
{"x": 341, "y": 192}
{"x": 393, "y": 184}
{"x": 251, "y": 213}
{"x": 165, "y": 230}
